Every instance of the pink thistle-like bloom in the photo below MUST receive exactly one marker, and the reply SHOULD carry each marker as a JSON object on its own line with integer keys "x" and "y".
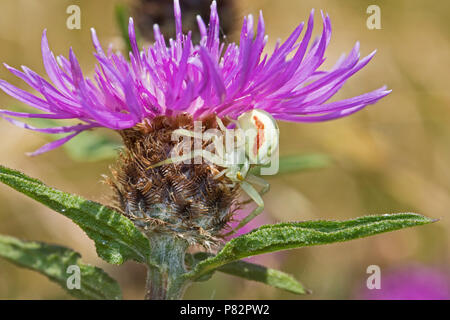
{"x": 410, "y": 282}
{"x": 178, "y": 76}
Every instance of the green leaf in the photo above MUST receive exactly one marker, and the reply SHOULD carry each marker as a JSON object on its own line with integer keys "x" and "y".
{"x": 255, "y": 272}
{"x": 53, "y": 261}
{"x": 271, "y": 277}
{"x": 299, "y": 163}
{"x": 296, "y": 163}
{"x": 284, "y": 236}
{"x": 116, "y": 238}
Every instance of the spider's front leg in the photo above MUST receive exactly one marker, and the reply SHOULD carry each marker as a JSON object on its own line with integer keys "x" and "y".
{"x": 191, "y": 155}
{"x": 260, "y": 182}
{"x": 255, "y": 196}
{"x": 193, "y": 134}
{"x": 222, "y": 127}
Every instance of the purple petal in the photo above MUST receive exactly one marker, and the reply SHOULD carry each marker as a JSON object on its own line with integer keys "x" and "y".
{"x": 133, "y": 41}
{"x": 51, "y": 65}
{"x": 36, "y": 115}
{"x": 24, "y": 96}
{"x": 79, "y": 127}
{"x": 53, "y": 145}
{"x": 178, "y": 23}
{"x": 212, "y": 74}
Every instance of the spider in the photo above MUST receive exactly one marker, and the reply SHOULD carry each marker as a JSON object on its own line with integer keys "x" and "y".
{"x": 256, "y": 141}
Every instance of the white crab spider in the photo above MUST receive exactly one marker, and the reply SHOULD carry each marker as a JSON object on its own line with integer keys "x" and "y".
{"x": 256, "y": 147}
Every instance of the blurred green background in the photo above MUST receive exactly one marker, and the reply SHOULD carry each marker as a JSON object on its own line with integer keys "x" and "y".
{"x": 391, "y": 157}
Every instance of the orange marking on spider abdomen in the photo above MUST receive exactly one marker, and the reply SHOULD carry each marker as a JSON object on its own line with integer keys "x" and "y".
{"x": 260, "y": 136}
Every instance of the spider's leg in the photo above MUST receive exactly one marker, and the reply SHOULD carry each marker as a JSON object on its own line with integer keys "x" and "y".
{"x": 193, "y": 154}
{"x": 221, "y": 173}
{"x": 205, "y": 136}
{"x": 188, "y": 133}
{"x": 220, "y": 124}
{"x": 213, "y": 158}
{"x": 260, "y": 182}
{"x": 210, "y": 136}
{"x": 252, "y": 193}
{"x": 245, "y": 168}
{"x": 222, "y": 128}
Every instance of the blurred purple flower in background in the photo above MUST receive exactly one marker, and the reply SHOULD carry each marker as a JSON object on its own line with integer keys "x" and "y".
{"x": 178, "y": 76}
{"x": 413, "y": 282}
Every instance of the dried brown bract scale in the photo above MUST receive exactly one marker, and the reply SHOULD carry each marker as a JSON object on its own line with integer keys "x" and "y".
{"x": 177, "y": 198}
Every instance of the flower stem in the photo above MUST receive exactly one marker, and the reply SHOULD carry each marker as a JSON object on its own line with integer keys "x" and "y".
{"x": 164, "y": 276}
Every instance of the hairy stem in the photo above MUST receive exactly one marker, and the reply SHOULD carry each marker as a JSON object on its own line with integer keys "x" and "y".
{"x": 165, "y": 282}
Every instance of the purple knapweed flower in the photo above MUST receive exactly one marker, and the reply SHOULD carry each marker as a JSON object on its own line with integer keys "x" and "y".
{"x": 411, "y": 282}
{"x": 178, "y": 76}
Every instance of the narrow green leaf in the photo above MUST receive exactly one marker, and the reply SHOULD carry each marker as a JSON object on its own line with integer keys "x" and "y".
{"x": 53, "y": 261}
{"x": 251, "y": 271}
{"x": 299, "y": 163}
{"x": 296, "y": 163}
{"x": 271, "y": 277}
{"x": 116, "y": 238}
{"x": 284, "y": 236}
